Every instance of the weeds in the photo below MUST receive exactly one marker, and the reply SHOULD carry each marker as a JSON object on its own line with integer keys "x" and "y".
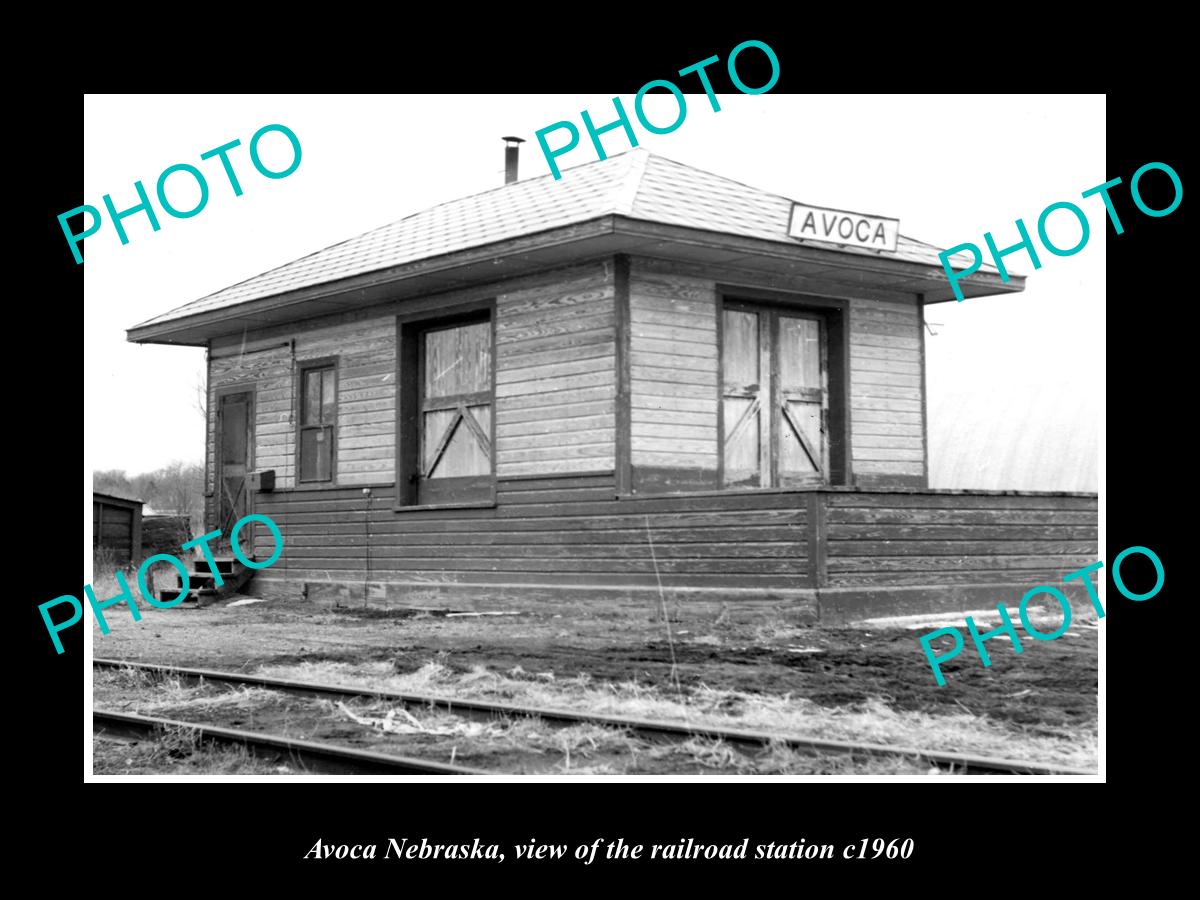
{"x": 179, "y": 751}
{"x": 872, "y": 722}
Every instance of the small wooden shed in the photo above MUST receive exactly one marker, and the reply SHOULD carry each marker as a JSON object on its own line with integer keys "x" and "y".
{"x": 629, "y": 385}
{"x": 117, "y": 528}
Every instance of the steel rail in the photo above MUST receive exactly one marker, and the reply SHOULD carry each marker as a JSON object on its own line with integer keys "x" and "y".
{"x": 312, "y": 755}
{"x": 964, "y": 763}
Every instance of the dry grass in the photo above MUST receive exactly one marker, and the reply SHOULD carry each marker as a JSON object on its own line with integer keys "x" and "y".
{"x": 873, "y": 722}
{"x": 590, "y": 749}
{"x": 577, "y": 745}
{"x": 165, "y": 695}
{"x": 104, "y": 561}
{"x": 178, "y": 751}
{"x": 583, "y": 749}
{"x": 104, "y": 585}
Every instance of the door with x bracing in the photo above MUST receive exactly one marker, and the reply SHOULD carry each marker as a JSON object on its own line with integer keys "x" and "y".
{"x": 774, "y": 396}
{"x": 455, "y": 417}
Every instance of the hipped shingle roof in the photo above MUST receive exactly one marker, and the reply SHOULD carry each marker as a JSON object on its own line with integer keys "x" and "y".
{"x": 635, "y": 184}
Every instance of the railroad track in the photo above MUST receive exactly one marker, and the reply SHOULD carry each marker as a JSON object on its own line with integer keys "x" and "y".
{"x": 958, "y": 763}
{"x": 311, "y": 756}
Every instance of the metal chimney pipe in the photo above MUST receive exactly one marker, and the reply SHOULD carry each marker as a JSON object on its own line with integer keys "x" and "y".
{"x": 512, "y": 150}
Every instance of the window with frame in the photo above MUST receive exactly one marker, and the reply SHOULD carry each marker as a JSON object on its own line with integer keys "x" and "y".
{"x": 774, "y": 397}
{"x": 317, "y": 444}
{"x": 446, "y": 404}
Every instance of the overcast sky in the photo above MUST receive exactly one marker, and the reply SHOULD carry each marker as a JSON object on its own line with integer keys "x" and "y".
{"x": 949, "y": 168}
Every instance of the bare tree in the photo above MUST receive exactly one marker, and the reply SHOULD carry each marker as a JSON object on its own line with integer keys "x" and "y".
{"x": 175, "y": 488}
{"x": 201, "y": 401}
{"x": 178, "y": 488}
{"x": 115, "y": 482}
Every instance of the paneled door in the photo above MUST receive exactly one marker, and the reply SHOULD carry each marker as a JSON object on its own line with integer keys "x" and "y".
{"x": 774, "y": 398}
{"x": 235, "y": 451}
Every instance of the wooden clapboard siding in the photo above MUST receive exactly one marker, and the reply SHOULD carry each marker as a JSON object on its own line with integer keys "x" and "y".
{"x": 556, "y": 374}
{"x": 265, "y": 369}
{"x": 943, "y": 539}
{"x": 565, "y": 530}
{"x": 366, "y": 388}
{"x": 117, "y": 528}
{"x": 672, "y": 365}
{"x": 571, "y": 532}
{"x": 557, "y": 409}
{"x": 115, "y": 532}
{"x": 674, "y": 356}
{"x": 886, "y": 395}
{"x": 366, "y": 362}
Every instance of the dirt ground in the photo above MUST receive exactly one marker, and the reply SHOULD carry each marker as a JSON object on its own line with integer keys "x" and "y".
{"x": 851, "y": 665}
{"x": 869, "y": 683}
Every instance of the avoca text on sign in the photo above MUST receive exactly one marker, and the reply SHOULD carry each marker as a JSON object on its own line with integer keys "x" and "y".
{"x": 837, "y": 226}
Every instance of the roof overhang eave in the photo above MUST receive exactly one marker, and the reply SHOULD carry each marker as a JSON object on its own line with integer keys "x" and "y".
{"x": 842, "y": 271}
{"x": 429, "y": 275}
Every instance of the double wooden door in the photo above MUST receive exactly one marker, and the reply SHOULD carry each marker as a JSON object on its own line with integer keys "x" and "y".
{"x": 775, "y": 398}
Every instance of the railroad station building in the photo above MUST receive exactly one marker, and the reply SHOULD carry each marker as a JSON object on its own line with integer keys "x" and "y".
{"x": 634, "y": 386}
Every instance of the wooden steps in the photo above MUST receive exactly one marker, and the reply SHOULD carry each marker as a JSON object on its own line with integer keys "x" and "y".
{"x": 202, "y": 588}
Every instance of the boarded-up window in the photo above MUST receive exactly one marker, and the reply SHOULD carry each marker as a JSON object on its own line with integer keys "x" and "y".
{"x": 318, "y": 422}
{"x": 774, "y": 398}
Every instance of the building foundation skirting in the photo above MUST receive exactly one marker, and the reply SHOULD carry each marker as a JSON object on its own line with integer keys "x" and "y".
{"x": 828, "y": 606}
{"x": 573, "y": 545}
{"x": 678, "y": 604}
{"x": 840, "y": 606}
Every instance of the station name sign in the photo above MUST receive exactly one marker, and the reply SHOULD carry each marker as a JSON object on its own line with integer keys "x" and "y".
{"x": 836, "y": 226}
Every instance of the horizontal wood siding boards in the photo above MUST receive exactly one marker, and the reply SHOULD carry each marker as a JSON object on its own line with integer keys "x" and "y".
{"x": 546, "y": 530}
{"x": 950, "y": 547}
{"x": 267, "y": 373}
{"x": 555, "y": 483}
{"x": 348, "y": 532}
{"x": 673, "y": 373}
{"x": 564, "y": 466}
{"x": 556, "y": 375}
{"x": 944, "y": 539}
{"x": 117, "y": 529}
{"x": 365, "y": 440}
{"x": 600, "y": 350}
{"x": 335, "y": 573}
{"x": 1020, "y": 579}
{"x": 957, "y": 517}
{"x": 571, "y": 531}
{"x": 531, "y": 516}
{"x": 960, "y": 563}
{"x": 863, "y": 417}
{"x": 525, "y": 567}
{"x": 923, "y": 500}
{"x": 973, "y": 532}
{"x": 116, "y": 533}
{"x": 885, "y": 389}
{"x": 674, "y": 356}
